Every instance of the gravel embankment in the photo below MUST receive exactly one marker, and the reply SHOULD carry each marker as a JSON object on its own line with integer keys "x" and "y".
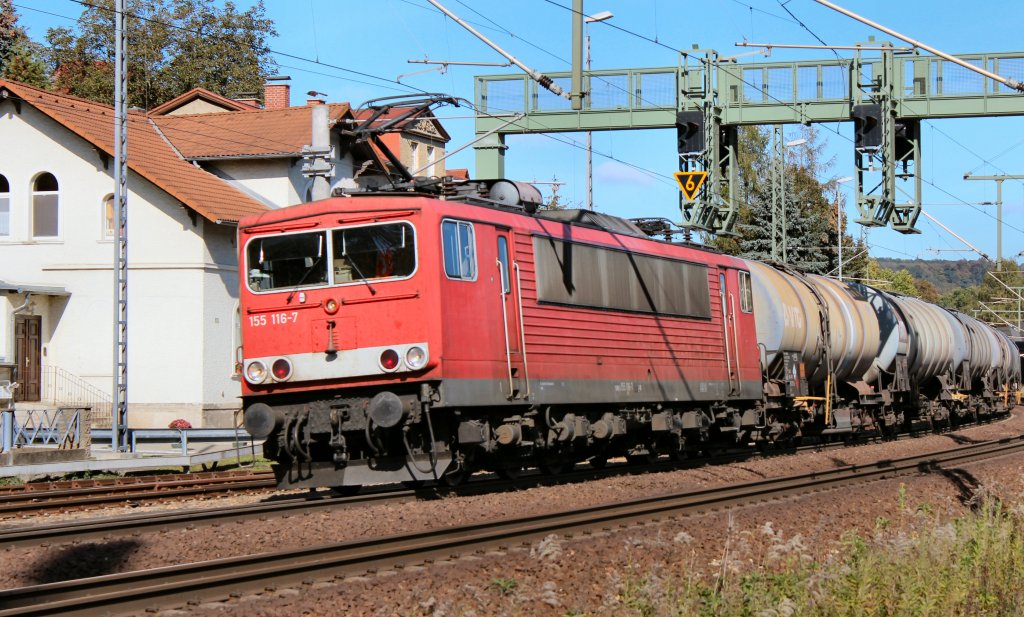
{"x": 556, "y": 576}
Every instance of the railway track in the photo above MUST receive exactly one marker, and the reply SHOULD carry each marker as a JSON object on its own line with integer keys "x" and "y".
{"x": 219, "y": 579}
{"x": 73, "y": 494}
{"x": 133, "y": 524}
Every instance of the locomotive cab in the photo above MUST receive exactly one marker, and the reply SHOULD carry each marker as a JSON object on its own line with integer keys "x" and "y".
{"x": 332, "y": 305}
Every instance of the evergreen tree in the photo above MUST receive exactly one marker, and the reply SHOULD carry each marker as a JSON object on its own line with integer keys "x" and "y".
{"x": 175, "y": 45}
{"x": 811, "y": 230}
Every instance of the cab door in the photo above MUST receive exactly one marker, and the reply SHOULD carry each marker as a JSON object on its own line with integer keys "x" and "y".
{"x": 510, "y": 298}
{"x": 727, "y": 295}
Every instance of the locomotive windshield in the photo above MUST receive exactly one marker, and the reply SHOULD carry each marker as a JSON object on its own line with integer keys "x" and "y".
{"x": 294, "y": 260}
{"x": 373, "y": 252}
{"x": 353, "y": 254}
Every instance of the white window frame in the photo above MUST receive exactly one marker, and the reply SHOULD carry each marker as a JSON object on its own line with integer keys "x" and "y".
{"x": 108, "y": 234}
{"x": 472, "y": 255}
{"x": 7, "y": 195}
{"x": 32, "y": 208}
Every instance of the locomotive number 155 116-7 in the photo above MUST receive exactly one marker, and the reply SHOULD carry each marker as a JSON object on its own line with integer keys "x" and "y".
{"x": 273, "y": 319}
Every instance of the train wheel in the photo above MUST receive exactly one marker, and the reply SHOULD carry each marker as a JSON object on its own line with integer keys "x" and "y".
{"x": 598, "y": 461}
{"x": 555, "y": 466}
{"x": 456, "y": 475}
{"x": 511, "y": 472}
{"x": 643, "y": 458}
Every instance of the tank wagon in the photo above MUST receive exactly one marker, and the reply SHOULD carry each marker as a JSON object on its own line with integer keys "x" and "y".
{"x": 410, "y": 336}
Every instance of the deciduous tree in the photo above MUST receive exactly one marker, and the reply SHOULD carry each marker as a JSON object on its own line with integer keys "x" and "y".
{"x": 20, "y": 58}
{"x": 173, "y": 46}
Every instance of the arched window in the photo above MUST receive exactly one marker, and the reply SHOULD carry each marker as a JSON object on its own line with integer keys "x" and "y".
{"x": 109, "y": 226}
{"x": 45, "y": 207}
{"x": 5, "y": 207}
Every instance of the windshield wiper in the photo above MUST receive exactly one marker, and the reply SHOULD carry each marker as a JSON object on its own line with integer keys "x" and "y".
{"x": 352, "y": 262}
{"x": 302, "y": 280}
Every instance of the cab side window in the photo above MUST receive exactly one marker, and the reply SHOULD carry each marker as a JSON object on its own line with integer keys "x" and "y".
{"x": 746, "y": 295}
{"x": 459, "y": 246}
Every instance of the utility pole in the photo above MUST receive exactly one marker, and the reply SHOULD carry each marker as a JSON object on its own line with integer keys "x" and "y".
{"x": 603, "y": 15}
{"x": 999, "y": 208}
{"x": 119, "y": 406}
{"x": 319, "y": 156}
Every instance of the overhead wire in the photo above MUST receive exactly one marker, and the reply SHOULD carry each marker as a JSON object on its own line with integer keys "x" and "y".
{"x": 570, "y": 142}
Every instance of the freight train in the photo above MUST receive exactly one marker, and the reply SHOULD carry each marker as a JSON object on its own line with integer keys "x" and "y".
{"x": 424, "y": 335}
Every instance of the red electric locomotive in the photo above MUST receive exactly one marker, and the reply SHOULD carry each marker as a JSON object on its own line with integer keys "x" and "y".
{"x": 404, "y": 337}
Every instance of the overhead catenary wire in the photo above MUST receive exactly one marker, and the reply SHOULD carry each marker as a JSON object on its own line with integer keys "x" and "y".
{"x": 570, "y": 142}
{"x": 370, "y": 75}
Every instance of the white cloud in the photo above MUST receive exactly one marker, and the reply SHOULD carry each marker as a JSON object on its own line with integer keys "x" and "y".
{"x": 615, "y": 172}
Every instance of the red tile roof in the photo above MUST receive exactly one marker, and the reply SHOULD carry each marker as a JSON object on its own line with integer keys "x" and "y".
{"x": 260, "y": 132}
{"x": 198, "y": 94}
{"x": 407, "y": 125}
{"x": 149, "y": 153}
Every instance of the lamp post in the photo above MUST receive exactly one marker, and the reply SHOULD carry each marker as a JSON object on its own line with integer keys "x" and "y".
{"x": 602, "y": 16}
{"x": 840, "y": 228}
{"x": 785, "y": 231}
{"x": 999, "y": 208}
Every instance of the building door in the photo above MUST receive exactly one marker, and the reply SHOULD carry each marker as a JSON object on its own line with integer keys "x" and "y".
{"x": 28, "y": 346}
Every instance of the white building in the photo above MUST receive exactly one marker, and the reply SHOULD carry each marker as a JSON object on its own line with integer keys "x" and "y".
{"x": 197, "y": 165}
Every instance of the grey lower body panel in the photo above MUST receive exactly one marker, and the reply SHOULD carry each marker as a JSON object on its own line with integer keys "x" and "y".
{"x": 488, "y": 392}
{"x": 363, "y": 472}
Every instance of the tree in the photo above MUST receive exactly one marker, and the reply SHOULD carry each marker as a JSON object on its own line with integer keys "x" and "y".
{"x": 20, "y": 58}
{"x": 173, "y": 46}
{"x": 901, "y": 282}
{"x": 811, "y": 230}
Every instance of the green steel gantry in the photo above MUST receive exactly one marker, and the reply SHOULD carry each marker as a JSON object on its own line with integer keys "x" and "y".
{"x": 706, "y": 98}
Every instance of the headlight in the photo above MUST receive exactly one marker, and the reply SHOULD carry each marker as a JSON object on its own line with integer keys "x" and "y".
{"x": 416, "y": 358}
{"x": 281, "y": 369}
{"x": 256, "y": 372}
{"x": 331, "y": 306}
{"x": 389, "y": 360}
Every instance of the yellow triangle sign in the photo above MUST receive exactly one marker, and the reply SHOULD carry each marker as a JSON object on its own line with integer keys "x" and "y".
{"x": 690, "y": 182}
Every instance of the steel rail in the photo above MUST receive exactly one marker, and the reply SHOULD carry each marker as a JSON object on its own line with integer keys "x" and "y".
{"x": 61, "y": 488}
{"x": 132, "y": 524}
{"x": 32, "y": 501}
{"x": 107, "y": 527}
{"x": 218, "y": 579}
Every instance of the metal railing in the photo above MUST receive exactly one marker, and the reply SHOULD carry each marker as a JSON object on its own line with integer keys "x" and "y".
{"x": 42, "y": 428}
{"x": 64, "y": 389}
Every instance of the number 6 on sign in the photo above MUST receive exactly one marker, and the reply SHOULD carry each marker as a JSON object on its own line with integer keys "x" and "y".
{"x": 690, "y": 182}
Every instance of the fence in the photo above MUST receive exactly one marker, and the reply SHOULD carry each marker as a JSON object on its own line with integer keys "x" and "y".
{"x": 64, "y": 389}
{"x": 42, "y": 428}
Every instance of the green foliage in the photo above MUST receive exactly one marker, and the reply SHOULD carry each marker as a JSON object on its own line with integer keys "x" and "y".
{"x": 901, "y": 282}
{"x": 505, "y": 586}
{"x": 972, "y": 566}
{"x": 810, "y": 204}
{"x": 20, "y": 58}
{"x": 176, "y": 45}
{"x": 945, "y": 274}
{"x": 997, "y": 284}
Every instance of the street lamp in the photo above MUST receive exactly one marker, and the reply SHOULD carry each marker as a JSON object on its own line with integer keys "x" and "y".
{"x": 602, "y": 16}
{"x": 785, "y": 229}
{"x": 840, "y": 228}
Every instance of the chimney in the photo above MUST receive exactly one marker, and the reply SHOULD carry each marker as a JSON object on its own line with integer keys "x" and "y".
{"x": 312, "y": 102}
{"x": 250, "y": 99}
{"x": 277, "y": 93}
{"x": 315, "y": 98}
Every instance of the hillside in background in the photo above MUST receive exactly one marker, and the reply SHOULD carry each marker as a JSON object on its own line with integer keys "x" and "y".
{"x": 945, "y": 274}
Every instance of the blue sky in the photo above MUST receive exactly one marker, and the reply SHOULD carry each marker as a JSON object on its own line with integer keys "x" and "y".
{"x": 378, "y": 38}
